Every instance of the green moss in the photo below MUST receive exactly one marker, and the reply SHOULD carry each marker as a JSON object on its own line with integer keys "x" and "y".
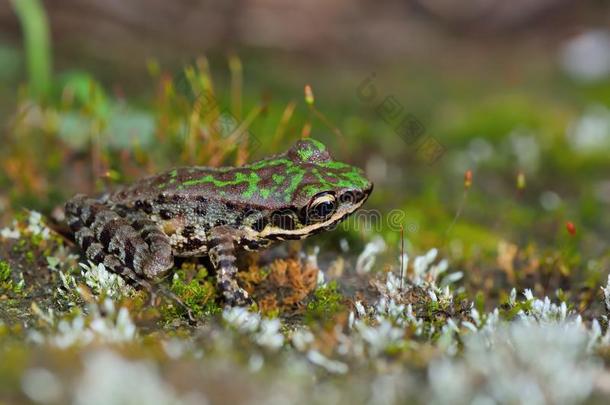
{"x": 5, "y": 271}
{"x": 20, "y": 246}
{"x": 7, "y": 284}
{"x": 196, "y": 291}
{"x": 327, "y": 302}
{"x": 29, "y": 256}
{"x": 274, "y": 313}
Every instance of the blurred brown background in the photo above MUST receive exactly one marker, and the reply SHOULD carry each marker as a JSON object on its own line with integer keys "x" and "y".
{"x": 88, "y": 32}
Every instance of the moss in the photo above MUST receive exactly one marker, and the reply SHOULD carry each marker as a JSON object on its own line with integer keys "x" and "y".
{"x": 29, "y": 256}
{"x": 193, "y": 286}
{"x": 509, "y": 313}
{"x": 7, "y": 283}
{"x": 5, "y": 270}
{"x": 326, "y": 303}
{"x": 20, "y": 246}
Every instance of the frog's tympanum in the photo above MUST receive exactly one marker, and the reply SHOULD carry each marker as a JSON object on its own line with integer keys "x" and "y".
{"x": 198, "y": 211}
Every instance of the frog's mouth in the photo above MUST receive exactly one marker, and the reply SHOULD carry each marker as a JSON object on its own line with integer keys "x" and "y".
{"x": 271, "y": 232}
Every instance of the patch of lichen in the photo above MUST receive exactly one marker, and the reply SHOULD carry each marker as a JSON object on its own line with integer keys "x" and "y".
{"x": 282, "y": 287}
{"x": 193, "y": 286}
{"x": 32, "y": 250}
{"x": 433, "y": 311}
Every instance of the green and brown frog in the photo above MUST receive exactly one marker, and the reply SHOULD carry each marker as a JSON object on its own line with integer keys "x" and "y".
{"x": 216, "y": 212}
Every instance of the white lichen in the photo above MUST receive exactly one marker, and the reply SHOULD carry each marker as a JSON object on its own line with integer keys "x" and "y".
{"x": 366, "y": 259}
{"x": 606, "y": 291}
{"x": 103, "y": 282}
{"x": 10, "y": 233}
{"x": 525, "y": 363}
{"x": 108, "y": 378}
{"x": 104, "y": 323}
{"x": 264, "y": 332}
{"x": 332, "y": 366}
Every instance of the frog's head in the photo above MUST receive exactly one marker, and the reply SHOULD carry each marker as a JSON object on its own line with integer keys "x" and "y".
{"x": 318, "y": 193}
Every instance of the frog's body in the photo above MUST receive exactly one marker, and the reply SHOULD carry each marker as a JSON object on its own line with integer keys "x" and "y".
{"x": 198, "y": 211}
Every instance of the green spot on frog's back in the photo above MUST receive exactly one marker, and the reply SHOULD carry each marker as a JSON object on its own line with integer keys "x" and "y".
{"x": 265, "y": 192}
{"x": 269, "y": 163}
{"x": 295, "y": 174}
{"x": 278, "y": 178}
{"x": 335, "y": 165}
{"x": 310, "y": 191}
{"x": 319, "y": 146}
{"x": 305, "y": 154}
{"x": 310, "y": 149}
{"x": 251, "y": 178}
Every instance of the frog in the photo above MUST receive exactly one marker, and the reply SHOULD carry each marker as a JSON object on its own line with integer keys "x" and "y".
{"x": 138, "y": 230}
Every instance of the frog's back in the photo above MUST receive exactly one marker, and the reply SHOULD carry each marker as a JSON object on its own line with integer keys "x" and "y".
{"x": 288, "y": 179}
{"x": 251, "y": 185}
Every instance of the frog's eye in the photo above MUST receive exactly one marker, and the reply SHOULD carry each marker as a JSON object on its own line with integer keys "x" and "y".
{"x": 321, "y": 207}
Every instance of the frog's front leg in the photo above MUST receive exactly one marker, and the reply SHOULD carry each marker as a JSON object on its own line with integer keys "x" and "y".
{"x": 222, "y": 256}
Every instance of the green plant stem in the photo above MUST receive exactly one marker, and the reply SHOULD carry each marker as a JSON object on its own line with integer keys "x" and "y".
{"x": 35, "y": 27}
